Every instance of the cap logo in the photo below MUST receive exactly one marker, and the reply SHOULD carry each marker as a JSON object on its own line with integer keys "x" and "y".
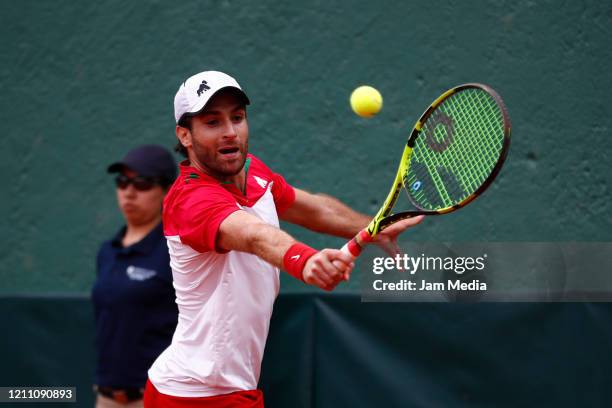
{"x": 203, "y": 88}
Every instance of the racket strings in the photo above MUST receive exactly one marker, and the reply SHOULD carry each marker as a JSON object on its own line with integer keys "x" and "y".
{"x": 457, "y": 149}
{"x": 479, "y": 166}
{"x": 470, "y": 160}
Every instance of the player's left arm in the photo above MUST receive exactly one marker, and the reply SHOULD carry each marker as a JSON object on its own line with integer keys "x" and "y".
{"x": 328, "y": 215}
{"x": 325, "y": 214}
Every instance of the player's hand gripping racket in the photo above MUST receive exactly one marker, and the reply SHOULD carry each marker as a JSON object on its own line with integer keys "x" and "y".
{"x": 454, "y": 152}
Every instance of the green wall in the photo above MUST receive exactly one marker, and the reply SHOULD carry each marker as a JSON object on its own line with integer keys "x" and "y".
{"x": 83, "y": 82}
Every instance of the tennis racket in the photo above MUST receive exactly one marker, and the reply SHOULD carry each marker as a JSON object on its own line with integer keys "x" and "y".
{"x": 454, "y": 153}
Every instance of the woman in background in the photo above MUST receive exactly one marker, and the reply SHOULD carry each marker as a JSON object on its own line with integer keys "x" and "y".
{"x": 133, "y": 296}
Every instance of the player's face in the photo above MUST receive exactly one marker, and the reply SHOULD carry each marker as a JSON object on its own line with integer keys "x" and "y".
{"x": 139, "y": 207}
{"x": 220, "y": 136}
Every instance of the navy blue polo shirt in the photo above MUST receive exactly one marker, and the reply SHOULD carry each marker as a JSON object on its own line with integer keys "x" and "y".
{"x": 134, "y": 306}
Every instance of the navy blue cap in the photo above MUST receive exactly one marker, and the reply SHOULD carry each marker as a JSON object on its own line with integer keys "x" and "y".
{"x": 148, "y": 161}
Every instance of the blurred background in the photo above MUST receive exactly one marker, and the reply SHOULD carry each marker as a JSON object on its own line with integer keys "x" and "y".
{"x": 83, "y": 82}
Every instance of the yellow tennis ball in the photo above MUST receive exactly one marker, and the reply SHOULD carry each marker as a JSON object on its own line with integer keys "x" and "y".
{"x": 366, "y": 101}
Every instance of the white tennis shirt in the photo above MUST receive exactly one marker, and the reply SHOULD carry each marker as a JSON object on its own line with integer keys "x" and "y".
{"x": 224, "y": 299}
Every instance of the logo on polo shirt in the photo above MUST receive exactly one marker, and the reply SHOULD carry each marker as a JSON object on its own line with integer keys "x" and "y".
{"x": 263, "y": 183}
{"x": 139, "y": 274}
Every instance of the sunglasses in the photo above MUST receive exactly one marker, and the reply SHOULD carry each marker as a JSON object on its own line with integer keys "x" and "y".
{"x": 140, "y": 183}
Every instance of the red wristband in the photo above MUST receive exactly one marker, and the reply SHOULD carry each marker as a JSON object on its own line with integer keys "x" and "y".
{"x": 295, "y": 258}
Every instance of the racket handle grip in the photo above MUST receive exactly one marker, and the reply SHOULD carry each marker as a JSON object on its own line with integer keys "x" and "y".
{"x": 345, "y": 249}
{"x": 354, "y": 247}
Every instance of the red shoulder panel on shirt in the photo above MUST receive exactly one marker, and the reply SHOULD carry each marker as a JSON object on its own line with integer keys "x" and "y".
{"x": 197, "y": 203}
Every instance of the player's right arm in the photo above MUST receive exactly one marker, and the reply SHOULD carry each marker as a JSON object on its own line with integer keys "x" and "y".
{"x": 241, "y": 231}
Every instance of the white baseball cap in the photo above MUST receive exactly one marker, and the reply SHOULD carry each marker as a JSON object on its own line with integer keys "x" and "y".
{"x": 196, "y": 91}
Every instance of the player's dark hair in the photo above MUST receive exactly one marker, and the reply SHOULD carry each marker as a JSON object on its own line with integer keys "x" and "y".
{"x": 185, "y": 122}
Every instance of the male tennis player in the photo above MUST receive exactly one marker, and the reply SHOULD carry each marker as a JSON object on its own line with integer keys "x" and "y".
{"x": 221, "y": 221}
